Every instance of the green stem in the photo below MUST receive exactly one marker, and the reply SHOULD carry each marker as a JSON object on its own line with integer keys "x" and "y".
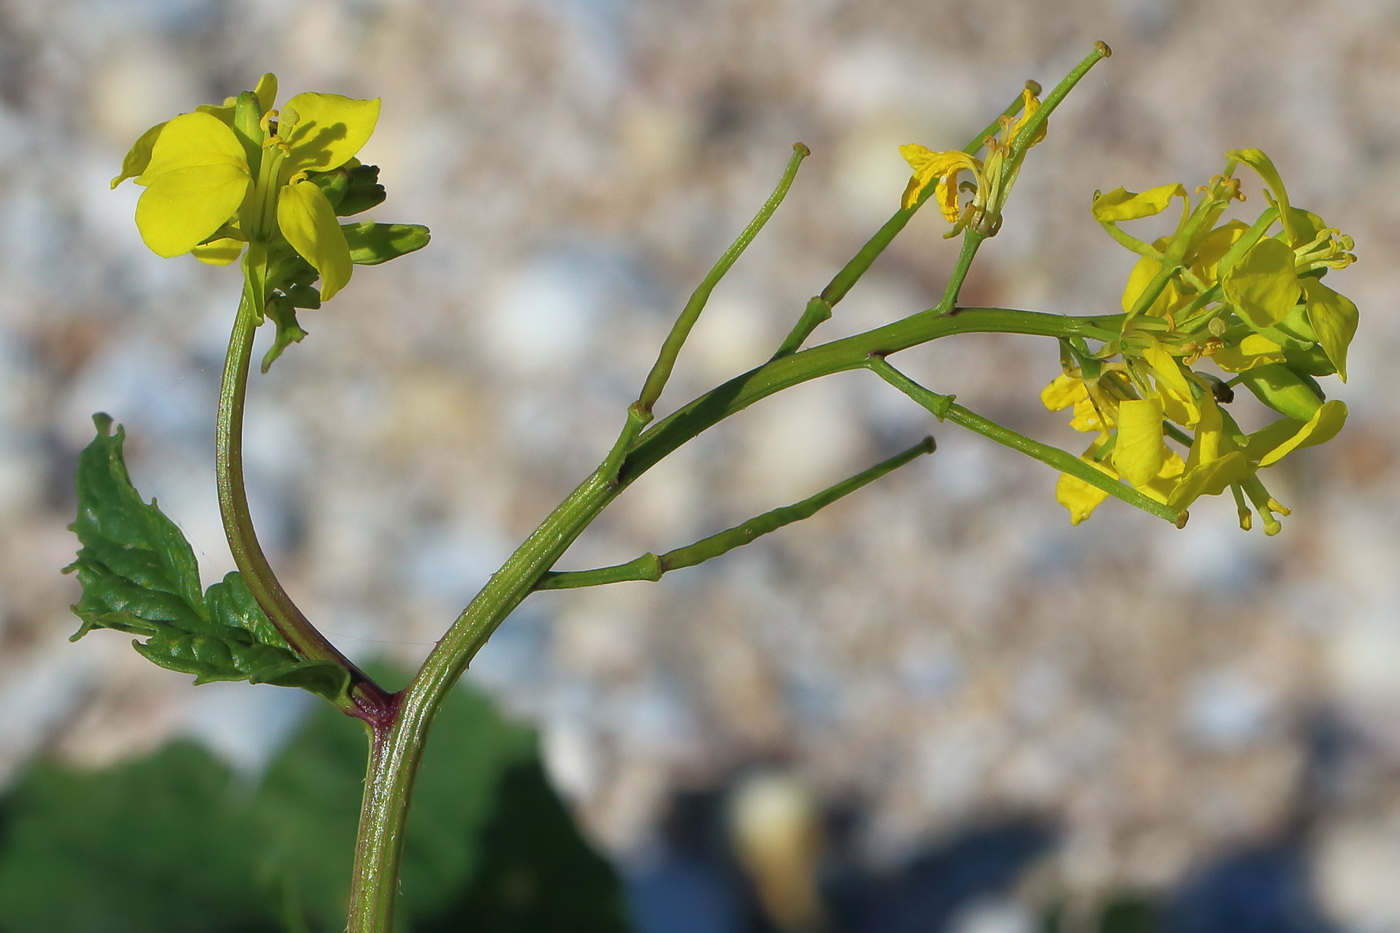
{"x": 639, "y": 412}
{"x": 1027, "y": 132}
{"x": 850, "y": 273}
{"x": 398, "y": 749}
{"x": 842, "y": 355}
{"x": 367, "y": 700}
{"x": 671, "y": 348}
{"x": 651, "y": 567}
{"x": 945, "y": 409}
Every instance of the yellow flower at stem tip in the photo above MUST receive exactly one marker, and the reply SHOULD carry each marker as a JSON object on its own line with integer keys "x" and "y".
{"x": 207, "y": 192}
{"x": 991, "y": 182}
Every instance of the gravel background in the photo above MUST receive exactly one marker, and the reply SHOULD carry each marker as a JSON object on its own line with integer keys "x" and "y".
{"x": 942, "y": 646}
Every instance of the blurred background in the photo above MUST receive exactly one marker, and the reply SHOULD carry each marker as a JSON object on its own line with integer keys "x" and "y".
{"x": 1118, "y": 707}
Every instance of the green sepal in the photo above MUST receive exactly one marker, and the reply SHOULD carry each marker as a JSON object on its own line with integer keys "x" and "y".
{"x": 304, "y": 296}
{"x": 363, "y": 192}
{"x": 1311, "y": 360}
{"x": 352, "y": 188}
{"x": 333, "y": 184}
{"x": 371, "y": 243}
{"x": 247, "y": 119}
{"x": 139, "y": 575}
{"x": 283, "y": 313}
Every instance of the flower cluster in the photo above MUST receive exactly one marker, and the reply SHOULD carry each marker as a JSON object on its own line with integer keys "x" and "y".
{"x": 991, "y": 180}
{"x": 1244, "y": 297}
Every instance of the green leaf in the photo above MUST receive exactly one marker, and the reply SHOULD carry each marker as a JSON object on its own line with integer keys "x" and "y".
{"x": 139, "y": 576}
{"x": 371, "y": 243}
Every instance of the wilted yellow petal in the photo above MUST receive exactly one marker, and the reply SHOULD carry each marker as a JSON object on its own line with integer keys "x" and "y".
{"x": 942, "y": 167}
{"x": 1029, "y": 105}
{"x": 324, "y": 131}
{"x": 308, "y": 222}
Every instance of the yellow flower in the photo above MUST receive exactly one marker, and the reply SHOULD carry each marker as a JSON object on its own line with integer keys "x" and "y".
{"x": 940, "y": 167}
{"x": 991, "y": 182}
{"x": 210, "y": 187}
{"x": 1226, "y": 292}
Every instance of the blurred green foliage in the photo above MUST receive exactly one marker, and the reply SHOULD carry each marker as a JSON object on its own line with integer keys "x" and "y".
{"x": 177, "y": 842}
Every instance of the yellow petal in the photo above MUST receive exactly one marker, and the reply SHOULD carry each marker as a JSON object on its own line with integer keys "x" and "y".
{"x": 181, "y": 208}
{"x": 1075, "y": 494}
{"x": 1263, "y": 285}
{"x": 1087, "y": 416}
{"x": 1262, "y": 164}
{"x": 1062, "y": 392}
{"x": 308, "y": 222}
{"x": 1144, "y": 271}
{"x": 1211, "y": 248}
{"x": 1161, "y": 486}
{"x": 1139, "y": 453}
{"x": 218, "y": 252}
{"x": 1253, "y": 350}
{"x": 1210, "y": 431}
{"x": 325, "y": 131}
{"x": 942, "y": 167}
{"x": 192, "y": 140}
{"x": 1333, "y": 318}
{"x": 1121, "y": 204}
{"x": 1209, "y": 479}
{"x": 1270, "y": 444}
{"x": 266, "y": 91}
{"x": 1029, "y": 105}
{"x": 1079, "y": 497}
{"x": 139, "y": 156}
